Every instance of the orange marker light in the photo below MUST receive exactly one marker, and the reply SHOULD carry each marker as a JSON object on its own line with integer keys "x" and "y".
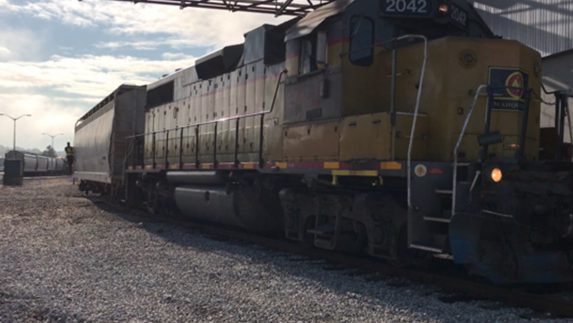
{"x": 496, "y": 175}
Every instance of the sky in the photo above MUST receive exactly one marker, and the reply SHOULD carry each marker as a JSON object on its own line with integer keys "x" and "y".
{"x": 59, "y": 58}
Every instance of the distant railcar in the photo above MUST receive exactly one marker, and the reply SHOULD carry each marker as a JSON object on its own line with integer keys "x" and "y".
{"x": 34, "y": 164}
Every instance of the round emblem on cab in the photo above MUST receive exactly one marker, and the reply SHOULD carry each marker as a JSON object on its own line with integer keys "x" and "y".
{"x": 420, "y": 170}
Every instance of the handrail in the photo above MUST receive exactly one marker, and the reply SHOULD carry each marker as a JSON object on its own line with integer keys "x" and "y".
{"x": 568, "y": 111}
{"x": 561, "y": 97}
{"x": 459, "y": 142}
{"x": 215, "y": 122}
{"x": 254, "y": 114}
{"x": 524, "y": 126}
{"x": 416, "y": 111}
{"x": 562, "y": 111}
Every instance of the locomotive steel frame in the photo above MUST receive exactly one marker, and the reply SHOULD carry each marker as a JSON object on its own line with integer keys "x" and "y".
{"x": 276, "y": 7}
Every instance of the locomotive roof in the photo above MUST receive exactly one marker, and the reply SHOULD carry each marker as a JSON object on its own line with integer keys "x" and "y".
{"x": 120, "y": 89}
{"x": 229, "y": 57}
{"x": 312, "y": 20}
{"x": 171, "y": 77}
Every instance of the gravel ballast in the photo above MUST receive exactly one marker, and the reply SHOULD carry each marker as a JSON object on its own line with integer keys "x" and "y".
{"x": 64, "y": 257}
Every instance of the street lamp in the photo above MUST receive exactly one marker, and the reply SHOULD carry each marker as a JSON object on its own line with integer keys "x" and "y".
{"x": 15, "y": 119}
{"x": 53, "y": 136}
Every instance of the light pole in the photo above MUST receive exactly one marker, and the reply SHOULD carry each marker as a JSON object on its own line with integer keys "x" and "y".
{"x": 53, "y": 136}
{"x": 15, "y": 119}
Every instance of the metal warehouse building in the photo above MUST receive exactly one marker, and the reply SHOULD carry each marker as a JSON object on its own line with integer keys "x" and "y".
{"x": 546, "y": 25}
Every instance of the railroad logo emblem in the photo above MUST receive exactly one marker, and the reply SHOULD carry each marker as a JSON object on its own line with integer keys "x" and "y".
{"x": 514, "y": 85}
{"x": 508, "y": 86}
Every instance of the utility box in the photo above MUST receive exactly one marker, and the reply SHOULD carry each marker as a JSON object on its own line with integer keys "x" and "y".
{"x": 13, "y": 172}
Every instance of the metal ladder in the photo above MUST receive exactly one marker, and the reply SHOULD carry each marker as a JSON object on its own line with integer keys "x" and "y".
{"x": 456, "y": 163}
{"x": 435, "y": 240}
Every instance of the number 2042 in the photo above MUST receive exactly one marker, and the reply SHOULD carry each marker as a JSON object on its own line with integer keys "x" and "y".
{"x": 418, "y": 7}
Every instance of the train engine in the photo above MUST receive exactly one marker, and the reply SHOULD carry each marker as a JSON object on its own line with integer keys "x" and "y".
{"x": 401, "y": 129}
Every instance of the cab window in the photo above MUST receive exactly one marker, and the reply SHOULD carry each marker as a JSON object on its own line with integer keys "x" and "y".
{"x": 361, "y": 40}
{"x": 307, "y": 61}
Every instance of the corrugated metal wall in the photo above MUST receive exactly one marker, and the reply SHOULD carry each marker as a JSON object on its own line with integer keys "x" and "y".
{"x": 546, "y": 25}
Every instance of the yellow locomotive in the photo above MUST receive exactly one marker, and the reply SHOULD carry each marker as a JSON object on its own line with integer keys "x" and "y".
{"x": 397, "y": 128}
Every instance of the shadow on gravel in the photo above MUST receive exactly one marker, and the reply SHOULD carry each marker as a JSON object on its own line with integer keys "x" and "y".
{"x": 342, "y": 280}
{"x": 25, "y": 308}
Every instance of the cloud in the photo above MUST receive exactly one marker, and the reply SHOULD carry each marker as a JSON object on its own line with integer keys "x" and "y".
{"x": 89, "y": 76}
{"x": 4, "y": 52}
{"x": 172, "y": 56}
{"x": 139, "y": 45}
{"x": 190, "y": 27}
{"x": 157, "y": 43}
{"x": 21, "y": 44}
{"x": 59, "y": 91}
{"x": 67, "y": 11}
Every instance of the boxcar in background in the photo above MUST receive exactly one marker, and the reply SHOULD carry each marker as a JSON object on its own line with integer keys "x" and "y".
{"x": 34, "y": 164}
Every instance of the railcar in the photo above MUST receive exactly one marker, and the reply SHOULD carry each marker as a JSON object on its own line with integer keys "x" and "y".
{"x": 60, "y": 165}
{"x": 101, "y": 143}
{"x": 401, "y": 129}
{"x": 34, "y": 164}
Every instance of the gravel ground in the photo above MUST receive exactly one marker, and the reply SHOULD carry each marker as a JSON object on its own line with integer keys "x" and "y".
{"x": 66, "y": 258}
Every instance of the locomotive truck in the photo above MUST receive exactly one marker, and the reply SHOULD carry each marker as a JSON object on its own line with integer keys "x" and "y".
{"x": 401, "y": 129}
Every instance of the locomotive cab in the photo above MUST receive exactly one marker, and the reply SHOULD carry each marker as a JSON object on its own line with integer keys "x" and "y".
{"x": 429, "y": 85}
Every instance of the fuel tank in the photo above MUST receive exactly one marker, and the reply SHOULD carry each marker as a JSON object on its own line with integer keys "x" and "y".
{"x": 238, "y": 208}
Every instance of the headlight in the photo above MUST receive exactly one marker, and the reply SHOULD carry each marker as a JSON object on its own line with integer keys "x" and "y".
{"x": 496, "y": 175}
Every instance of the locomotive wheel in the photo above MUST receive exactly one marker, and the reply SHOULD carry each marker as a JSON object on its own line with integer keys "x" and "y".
{"x": 357, "y": 241}
{"x": 495, "y": 256}
{"x": 152, "y": 202}
{"x": 308, "y": 238}
{"x": 406, "y": 256}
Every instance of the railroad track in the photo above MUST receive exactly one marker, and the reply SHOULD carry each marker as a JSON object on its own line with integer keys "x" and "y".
{"x": 543, "y": 299}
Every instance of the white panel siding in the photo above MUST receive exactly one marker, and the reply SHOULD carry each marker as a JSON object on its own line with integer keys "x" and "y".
{"x": 546, "y": 25}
